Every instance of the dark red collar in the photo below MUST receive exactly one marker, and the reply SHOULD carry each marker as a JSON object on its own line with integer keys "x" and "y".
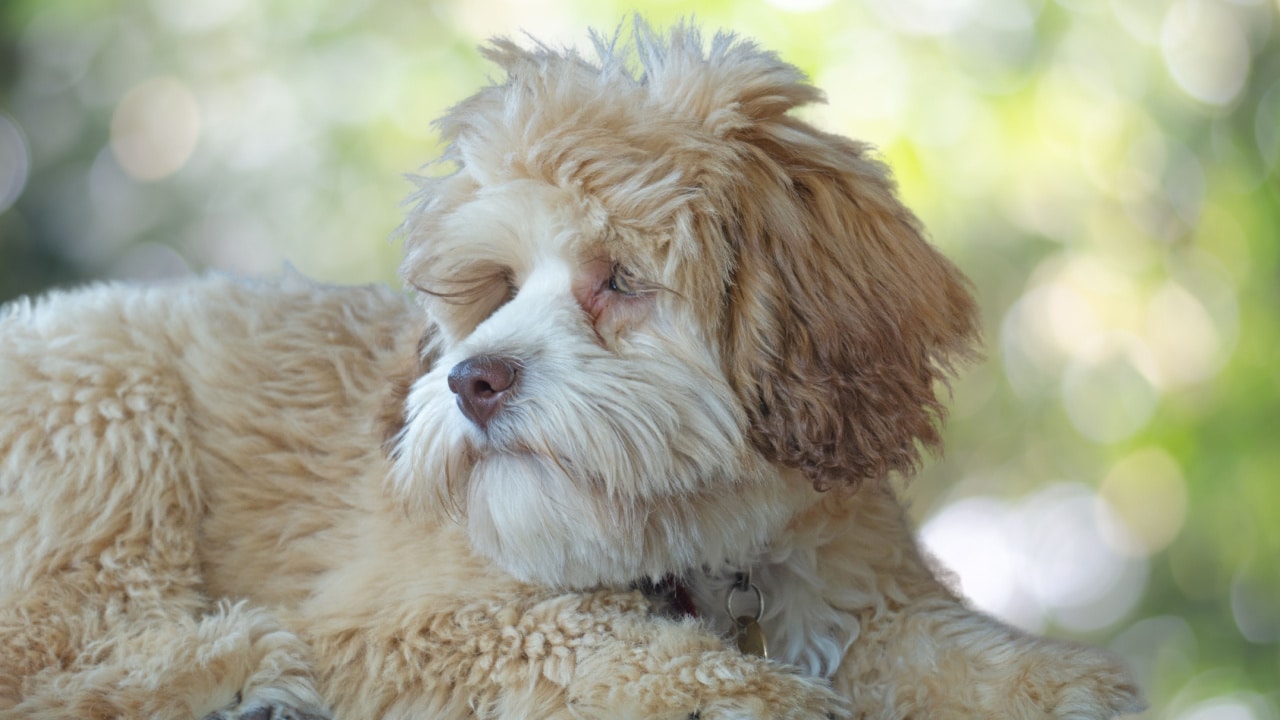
{"x": 670, "y": 596}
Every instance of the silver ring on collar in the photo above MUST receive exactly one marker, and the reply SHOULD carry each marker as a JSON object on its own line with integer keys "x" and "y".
{"x": 742, "y": 584}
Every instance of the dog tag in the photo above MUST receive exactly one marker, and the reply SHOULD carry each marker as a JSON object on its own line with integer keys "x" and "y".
{"x": 750, "y": 637}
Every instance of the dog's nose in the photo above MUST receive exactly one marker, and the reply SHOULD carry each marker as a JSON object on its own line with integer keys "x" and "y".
{"x": 482, "y": 384}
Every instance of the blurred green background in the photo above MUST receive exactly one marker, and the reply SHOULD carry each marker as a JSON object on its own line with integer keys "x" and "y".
{"x": 1104, "y": 171}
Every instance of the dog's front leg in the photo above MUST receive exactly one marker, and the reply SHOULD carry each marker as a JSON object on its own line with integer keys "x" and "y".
{"x": 531, "y": 655}
{"x": 921, "y": 652}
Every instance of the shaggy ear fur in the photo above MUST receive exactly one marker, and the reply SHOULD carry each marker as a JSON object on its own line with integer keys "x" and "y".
{"x": 842, "y": 320}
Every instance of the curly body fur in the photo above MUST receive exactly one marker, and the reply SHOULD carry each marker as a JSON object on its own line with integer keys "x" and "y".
{"x": 234, "y": 498}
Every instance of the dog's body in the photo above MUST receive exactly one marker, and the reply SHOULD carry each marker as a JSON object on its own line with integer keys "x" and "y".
{"x": 658, "y": 315}
{"x": 220, "y": 440}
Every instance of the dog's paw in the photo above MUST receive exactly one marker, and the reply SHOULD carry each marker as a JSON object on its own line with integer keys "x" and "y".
{"x": 1087, "y": 684}
{"x": 1040, "y": 680}
{"x": 1022, "y": 678}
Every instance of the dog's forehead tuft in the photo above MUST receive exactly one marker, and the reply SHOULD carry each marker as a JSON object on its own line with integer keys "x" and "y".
{"x": 647, "y": 125}
{"x": 676, "y": 74}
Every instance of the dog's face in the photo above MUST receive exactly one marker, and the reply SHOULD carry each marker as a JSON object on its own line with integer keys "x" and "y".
{"x": 664, "y": 310}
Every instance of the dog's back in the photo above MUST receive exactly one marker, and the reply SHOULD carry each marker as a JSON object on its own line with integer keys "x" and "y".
{"x": 188, "y": 429}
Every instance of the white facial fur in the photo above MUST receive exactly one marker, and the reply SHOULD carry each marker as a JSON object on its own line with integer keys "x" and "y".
{"x": 622, "y": 452}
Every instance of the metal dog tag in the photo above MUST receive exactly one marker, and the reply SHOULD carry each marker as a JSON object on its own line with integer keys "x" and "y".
{"x": 750, "y": 636}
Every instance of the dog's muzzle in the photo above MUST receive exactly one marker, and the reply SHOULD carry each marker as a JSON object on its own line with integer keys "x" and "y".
{"x": 483, "y": 384}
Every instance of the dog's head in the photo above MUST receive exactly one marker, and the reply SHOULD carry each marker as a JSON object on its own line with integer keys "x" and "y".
{"x": 665, "y": 308}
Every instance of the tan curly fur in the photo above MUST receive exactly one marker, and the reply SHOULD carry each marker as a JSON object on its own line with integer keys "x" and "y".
{"x": 274, "y": 499}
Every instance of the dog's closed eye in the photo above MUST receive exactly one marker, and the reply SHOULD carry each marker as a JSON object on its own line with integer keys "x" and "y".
{"x": 469, "y": 293}
{"x": 513, "y": 287}
{"x": 468, "y": 285}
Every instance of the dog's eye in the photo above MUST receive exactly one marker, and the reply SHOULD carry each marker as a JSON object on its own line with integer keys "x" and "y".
{"x": 621, "y": 281}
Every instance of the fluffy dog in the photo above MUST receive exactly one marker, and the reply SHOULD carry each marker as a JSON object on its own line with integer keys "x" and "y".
{"x": 666, "y": 330}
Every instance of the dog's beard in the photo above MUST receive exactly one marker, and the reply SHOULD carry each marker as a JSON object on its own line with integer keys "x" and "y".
{"x": 604, "y": 467}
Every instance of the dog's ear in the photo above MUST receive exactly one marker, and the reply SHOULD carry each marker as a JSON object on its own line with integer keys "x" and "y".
{"x": 842, "y": 322}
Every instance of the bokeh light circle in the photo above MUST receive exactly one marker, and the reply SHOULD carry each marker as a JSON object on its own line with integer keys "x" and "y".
{"x": 1045, "y": 558}
{"x": 1107, "y": 388}
{"x": 1205, "y": 50}
{"x": 1147, "y": 492}
{"x": 15, "y": 161}
{"x": 155, "y": 128}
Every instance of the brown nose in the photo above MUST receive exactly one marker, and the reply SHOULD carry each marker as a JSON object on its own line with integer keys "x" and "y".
{"x": 482, "y": 384}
